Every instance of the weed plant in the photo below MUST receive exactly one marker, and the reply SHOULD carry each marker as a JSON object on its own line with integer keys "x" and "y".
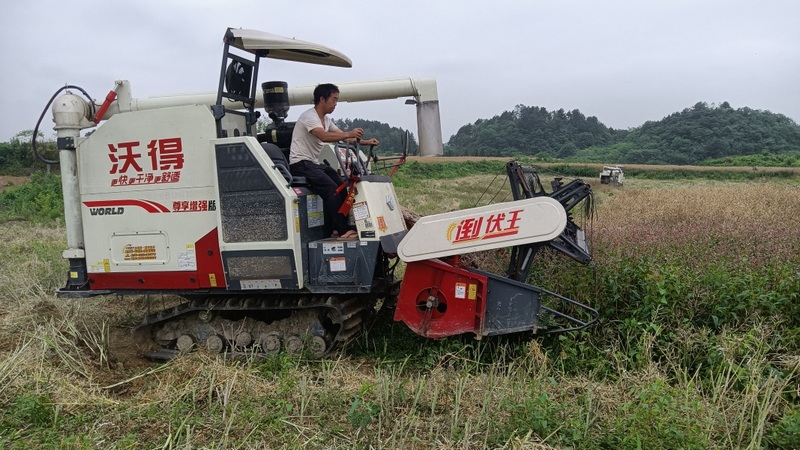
{"x": 697, "y": 347}
{"x": 39, "y": 200}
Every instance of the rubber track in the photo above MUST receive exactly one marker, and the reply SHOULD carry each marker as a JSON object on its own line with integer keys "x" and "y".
{"x": 349, "y": 311}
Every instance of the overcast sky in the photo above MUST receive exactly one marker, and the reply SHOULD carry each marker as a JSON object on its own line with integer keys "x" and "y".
{"x": 625, "y": 62}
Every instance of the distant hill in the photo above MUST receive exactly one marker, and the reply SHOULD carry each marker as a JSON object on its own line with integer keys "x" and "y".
{"x": 702, "y": 133}
{"x": 531, "y": 130}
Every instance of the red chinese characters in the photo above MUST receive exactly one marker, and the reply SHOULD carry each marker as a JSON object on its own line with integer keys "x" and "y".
{"x": 130, "y": 163}
{"x": 493, "y": 226}
{"x": 194, "y": 205}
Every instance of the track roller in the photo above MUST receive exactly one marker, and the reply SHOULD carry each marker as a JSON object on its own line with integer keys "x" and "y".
{"x": 313, "y": 324}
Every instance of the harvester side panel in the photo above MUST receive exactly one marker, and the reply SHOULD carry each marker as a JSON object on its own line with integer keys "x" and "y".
{"x": 376, "y": 210}
{"x": 337, "y": 266}
{"x": 259, "y": 219}
{"x": 148, "y": 201}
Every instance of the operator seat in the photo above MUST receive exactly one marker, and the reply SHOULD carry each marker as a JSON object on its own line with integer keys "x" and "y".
{"x": 281, "y": 164}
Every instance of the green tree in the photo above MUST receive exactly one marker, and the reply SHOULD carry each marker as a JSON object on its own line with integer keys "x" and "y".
{"x": 390, "y": 138}
{"x": 705, "y": 133}
{"x": 531, "y": 131}
{"x": 16, "y": 155}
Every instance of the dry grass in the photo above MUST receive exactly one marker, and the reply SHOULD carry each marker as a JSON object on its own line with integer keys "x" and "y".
{"x": 435, "y": 196}
{"x": 730, "y": 222}
{"x": 8, "y": 181}
{"x": 598, "y": 167}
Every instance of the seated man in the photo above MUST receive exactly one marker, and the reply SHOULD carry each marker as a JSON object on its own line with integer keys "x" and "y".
{"x": 314, "y": 128}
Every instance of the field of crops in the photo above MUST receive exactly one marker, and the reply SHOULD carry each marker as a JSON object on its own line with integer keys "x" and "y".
{"x": 698, "y": 343}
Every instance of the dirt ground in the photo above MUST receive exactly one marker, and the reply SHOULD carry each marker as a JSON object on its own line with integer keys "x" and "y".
{"x": 7, "y": 181}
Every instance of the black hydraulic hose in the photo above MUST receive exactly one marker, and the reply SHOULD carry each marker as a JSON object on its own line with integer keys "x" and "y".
{"x": 39, "y": 122}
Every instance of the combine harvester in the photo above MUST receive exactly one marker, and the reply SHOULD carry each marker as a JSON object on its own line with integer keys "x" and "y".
{"x": 181, "y": 195}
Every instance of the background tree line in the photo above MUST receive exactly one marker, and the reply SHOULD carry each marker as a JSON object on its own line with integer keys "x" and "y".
{"x": 531, "y": 130}
{"x": 17, "y": 158}
{"x": 390, "y": 138}
{"x": 701, "y": 134}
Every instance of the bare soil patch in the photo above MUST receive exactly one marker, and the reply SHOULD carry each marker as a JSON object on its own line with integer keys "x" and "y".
{"x": 8, "y": 181}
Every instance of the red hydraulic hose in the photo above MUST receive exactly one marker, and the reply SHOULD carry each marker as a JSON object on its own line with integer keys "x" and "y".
{"x": 397, "y": 166}
{"x": 112, "y": 95}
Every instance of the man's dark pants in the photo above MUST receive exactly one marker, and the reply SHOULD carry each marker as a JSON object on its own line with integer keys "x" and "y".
{"x": 324, "y": 181}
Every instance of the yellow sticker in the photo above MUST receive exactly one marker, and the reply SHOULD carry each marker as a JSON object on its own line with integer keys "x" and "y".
{"x": 472, "y": 293}
{"x": 139, "y": 252}
{"x": 382, "y": 224}
{"x": 73, "y": 274}
{"x": 212, "y": 279}
{"x": 106, "y": 265}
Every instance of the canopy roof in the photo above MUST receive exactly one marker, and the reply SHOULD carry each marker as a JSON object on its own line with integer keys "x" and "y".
{"x": 279, "y": 47}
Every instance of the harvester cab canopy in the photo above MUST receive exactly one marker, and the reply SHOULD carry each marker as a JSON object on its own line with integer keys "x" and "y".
{"x": 269, "y": 45}
{"x": 238, "y": 76}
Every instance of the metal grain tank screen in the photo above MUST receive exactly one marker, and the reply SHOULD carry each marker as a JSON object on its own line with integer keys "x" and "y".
{"x": 259, "y": 267}
{"x": 252, "y": 209}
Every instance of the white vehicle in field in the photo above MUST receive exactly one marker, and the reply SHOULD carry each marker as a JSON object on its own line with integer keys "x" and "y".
{"x": 612, "y": 175}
